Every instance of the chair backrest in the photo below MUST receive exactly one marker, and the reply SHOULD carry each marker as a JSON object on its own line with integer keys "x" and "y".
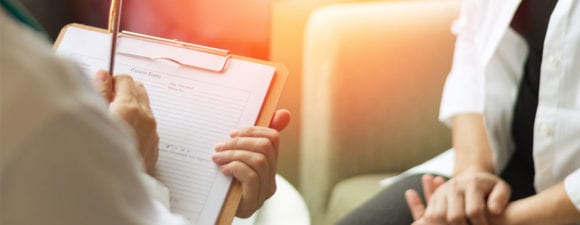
{"x": 243, "y": 27}
{"x": 372, "y": 78}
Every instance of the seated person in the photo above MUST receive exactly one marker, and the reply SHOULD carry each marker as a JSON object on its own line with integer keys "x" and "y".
{"x": 512, "y": 102}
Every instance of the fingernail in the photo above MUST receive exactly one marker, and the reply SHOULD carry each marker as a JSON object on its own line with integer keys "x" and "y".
{"x": 234, "y": 133}
{"x": 216, "y": 157}
{"x": 225, "y": 171}
{"x": 218, "y": 147}
{"x": 102, "y": 76}
{"x": 493, "y": 205}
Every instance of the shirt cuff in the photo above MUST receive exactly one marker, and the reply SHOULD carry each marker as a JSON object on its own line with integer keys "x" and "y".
{"x": 462, "y": 94}
{"x": 159, "y": 191}
{"x": 572, "y": 186}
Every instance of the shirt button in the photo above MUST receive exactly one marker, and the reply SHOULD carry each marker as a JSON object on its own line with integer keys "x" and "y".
{"x": 547, "y": 171}
{"x": 554, "y": 61}
{"x": 546, "y": 129}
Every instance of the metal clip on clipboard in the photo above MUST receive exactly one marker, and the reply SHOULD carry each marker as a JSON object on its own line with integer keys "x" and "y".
{"x": 183, "y": 54}
{"x": 148, "y": 47}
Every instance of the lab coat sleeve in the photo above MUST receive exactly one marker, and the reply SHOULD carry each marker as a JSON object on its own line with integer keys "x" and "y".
{"x": 81, "y": 168}
{"x": 463, "y": 91}
{"x": 159, "y": 190}
{"x": 572, "y": 186}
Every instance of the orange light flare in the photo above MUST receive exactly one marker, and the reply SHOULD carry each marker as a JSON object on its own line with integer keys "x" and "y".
{"x": 242, "y": 27}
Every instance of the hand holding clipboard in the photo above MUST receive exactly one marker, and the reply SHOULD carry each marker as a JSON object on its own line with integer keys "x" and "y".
{"x": 174, "y": 73}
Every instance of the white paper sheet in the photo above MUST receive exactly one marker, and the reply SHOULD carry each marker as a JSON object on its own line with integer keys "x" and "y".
{"x": 195, "y": 109}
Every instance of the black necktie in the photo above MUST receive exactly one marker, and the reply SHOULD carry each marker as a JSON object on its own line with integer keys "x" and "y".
{"x": 531, "y": 22}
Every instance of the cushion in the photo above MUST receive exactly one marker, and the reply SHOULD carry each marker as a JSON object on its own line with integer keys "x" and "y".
{"x": 351, "y": 193}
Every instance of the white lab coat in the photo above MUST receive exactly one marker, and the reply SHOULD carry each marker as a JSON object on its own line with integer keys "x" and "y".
{"x": 63, "y": 159}
{"x": 485, "y": 77}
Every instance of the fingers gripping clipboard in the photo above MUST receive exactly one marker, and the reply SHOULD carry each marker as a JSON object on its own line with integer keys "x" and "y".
{"x": 198, "y": 95}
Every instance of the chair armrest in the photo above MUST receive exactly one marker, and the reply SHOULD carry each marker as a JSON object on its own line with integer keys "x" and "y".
{"x": 372, "y": 80}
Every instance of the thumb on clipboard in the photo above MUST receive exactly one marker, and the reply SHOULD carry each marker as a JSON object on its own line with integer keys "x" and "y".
{"x": 280, "y": 120}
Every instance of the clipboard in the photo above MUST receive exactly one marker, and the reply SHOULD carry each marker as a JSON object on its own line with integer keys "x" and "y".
{"x": 233, "y": 197}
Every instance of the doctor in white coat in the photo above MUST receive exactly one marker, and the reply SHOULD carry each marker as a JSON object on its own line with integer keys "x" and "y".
{"x": 70, "y": 156}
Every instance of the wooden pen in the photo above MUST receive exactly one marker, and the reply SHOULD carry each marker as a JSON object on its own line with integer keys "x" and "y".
{"x": 114, "y": 20}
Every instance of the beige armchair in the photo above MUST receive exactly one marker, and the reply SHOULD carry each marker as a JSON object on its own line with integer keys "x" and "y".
{"x": 373, "y": 74}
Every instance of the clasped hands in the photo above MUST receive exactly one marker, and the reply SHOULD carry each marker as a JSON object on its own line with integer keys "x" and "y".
{"x": 470, "y": 198}
{"x": 250, "y": 156}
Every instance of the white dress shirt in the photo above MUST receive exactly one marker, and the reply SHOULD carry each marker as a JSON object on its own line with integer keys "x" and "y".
{"x": 63, "y": 159}
{"x": 485, "y": 77}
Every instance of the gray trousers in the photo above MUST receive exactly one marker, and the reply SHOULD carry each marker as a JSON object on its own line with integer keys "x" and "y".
{"x": 389, "y": 206}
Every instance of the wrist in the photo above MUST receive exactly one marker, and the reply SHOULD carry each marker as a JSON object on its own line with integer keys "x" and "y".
{"x": 474, "y": 168}
{"x": 510, "y": 216}
{"x": 550, "y": 206}
{"x": 471, "y": 145}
